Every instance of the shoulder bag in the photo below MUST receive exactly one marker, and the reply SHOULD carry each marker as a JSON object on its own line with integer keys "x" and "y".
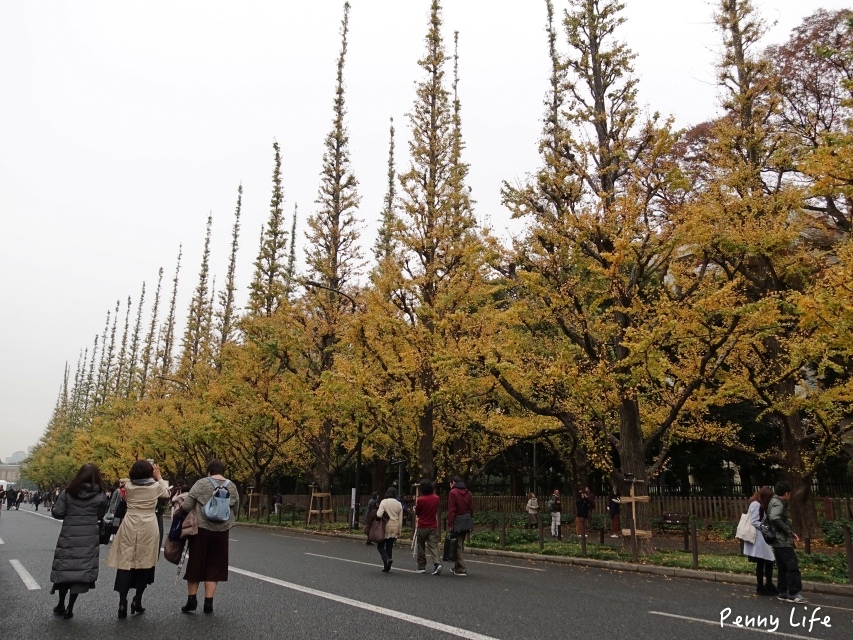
{"x": 767, "y": 531}
{"x": 463, "y": 523}
{"x": 376, "y": 532}
{"x": 745, "y": 530}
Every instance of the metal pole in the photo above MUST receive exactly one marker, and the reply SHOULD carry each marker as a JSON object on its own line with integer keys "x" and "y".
{"x": 357, "y": 479}
{"x": 634, "y": 550}
{"x": 503, "y": 529}
{"x": 694, "y": 539}
{"x": 848, "y": 548}
{"x": 541, "y": 532}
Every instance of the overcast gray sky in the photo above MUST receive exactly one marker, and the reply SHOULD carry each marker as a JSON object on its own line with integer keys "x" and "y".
{"x": 123, "y": 124}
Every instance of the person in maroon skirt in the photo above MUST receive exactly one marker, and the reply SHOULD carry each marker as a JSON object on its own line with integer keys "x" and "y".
{"x": 208, "y": 550}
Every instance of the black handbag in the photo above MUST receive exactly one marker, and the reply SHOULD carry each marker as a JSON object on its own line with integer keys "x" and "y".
{"x": 451, "y": 545}
{"x": 104, "y": 532}
{"x": 767, "y": 531}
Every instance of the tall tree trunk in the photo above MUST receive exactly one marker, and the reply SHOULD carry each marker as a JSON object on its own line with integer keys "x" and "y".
{"x": 632, "y": 455}
{"x": 801, "y": 505}
{"x": 426, "y": 426}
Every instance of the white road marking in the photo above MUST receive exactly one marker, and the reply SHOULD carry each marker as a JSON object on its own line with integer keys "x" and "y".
{"x": 306, "y": 538}
{"x": 826, "y": 606}
{"x": 501, "y": 564}
{"x": 716, "y": 623}
{"x": 397, "y": 615}
{"x": 29, "y": 581}
{"x": 369, "y": 564}
{"x": 41, "y": 515}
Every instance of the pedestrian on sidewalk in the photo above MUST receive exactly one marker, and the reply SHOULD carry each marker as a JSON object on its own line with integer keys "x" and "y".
{"x": 372, "y": 505}
{"x": 208, "y": 549}
{"x": 613, "y": 508}
{"x": 555, "y": 505}
{"x": 426, "y": 510}
{"x": 460, "y": 518}
{"x": 136, "y": 547}
{"x": 759, "y": 551}
{"x": 532, "y": 508}
{"x": 393, "y": 508}
{"x": 76, "y": 558}
{"x": 583, "y": 505}
{"x": 36, "y": 500}
{"x": 789, "y": 581}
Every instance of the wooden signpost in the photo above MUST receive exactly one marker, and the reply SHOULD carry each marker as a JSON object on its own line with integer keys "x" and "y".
{"x": 633, "y": 500}
{"x": 320, "y": 511}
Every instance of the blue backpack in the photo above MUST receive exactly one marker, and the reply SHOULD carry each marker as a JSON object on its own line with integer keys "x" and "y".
{"x": 218, "y": 508}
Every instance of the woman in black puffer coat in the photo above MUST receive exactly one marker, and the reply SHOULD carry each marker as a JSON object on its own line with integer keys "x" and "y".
{"x": 77, "y": 555}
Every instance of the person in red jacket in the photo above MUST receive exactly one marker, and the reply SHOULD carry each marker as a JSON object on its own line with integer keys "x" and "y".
{"x": 459, "y": 503}
{"x": 426, "y": 509}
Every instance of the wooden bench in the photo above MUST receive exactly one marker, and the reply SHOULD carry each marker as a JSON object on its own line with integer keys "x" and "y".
{"x": 674, "y": 520}
{"x": 679, "y": 521}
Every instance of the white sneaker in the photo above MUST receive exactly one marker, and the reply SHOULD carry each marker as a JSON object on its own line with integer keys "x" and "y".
{"x": 437, "y": 570}
{"x": 797, "y": 599}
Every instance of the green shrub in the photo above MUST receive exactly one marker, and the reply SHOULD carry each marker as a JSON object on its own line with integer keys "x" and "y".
{"x": 726, "y": 530}
{"x": 833, "y": 532}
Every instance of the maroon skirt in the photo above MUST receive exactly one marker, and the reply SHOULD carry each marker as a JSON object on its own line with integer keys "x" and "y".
{"x": 208, "y": 557}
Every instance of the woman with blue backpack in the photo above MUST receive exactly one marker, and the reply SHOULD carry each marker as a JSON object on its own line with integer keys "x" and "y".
{"x": 213, "y": 499}
{"x": 135, "y": 549}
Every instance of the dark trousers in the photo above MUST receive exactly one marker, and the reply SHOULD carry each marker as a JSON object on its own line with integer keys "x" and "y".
{"x": 789, "y": 580}
{"x": 386, "y": 548}
{"x": 764, "y": 572}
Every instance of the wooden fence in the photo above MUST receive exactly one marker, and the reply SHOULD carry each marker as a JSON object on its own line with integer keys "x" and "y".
{"x": 704, "y": 508}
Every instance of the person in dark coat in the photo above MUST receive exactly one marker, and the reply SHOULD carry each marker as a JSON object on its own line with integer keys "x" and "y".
{"x": 77, "y": 556}
{"x": 459, "y": 503}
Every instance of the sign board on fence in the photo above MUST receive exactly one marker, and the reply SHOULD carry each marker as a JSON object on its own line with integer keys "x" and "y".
{"x": 352, "y": 500}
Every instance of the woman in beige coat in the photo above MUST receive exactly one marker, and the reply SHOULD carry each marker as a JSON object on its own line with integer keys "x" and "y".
{"x": 391, "y": 507}
{"x": 137, "y": 543}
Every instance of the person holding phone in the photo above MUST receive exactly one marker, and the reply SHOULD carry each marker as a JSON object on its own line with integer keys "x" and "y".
{"x": 136, "y": 547}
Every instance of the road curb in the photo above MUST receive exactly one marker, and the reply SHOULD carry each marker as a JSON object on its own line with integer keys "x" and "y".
{"x": 610, "y": 565}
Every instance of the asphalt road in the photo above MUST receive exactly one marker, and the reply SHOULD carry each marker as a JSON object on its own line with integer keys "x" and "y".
{"x": 288, "y": 585}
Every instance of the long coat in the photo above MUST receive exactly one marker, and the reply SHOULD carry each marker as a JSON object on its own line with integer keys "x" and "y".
{"x": 394, "y": 509}
{"x": 758, "y": 549}
{"x": 77, "y": 553}
{"x": 137, "y": 542}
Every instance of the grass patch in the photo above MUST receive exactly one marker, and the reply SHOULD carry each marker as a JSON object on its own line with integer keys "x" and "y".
{"x": 818, "y": 567}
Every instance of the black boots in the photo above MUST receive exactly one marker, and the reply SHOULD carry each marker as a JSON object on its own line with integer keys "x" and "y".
{"x": 191, "y": 605}
{"x": 136, "y": 605}
{"x": 122, "y": 608}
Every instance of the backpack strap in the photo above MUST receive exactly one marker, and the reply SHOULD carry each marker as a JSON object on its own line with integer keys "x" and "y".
{"x": 218, "y": 486}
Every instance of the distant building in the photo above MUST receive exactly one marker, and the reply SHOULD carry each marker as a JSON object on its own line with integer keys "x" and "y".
{"x": 16, "y": 458}
{"x": 10, "y": 473}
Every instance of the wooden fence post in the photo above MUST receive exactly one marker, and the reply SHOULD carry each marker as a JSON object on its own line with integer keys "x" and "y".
{"x": 541, "y": 532}
{"x": 695, "y": 543}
